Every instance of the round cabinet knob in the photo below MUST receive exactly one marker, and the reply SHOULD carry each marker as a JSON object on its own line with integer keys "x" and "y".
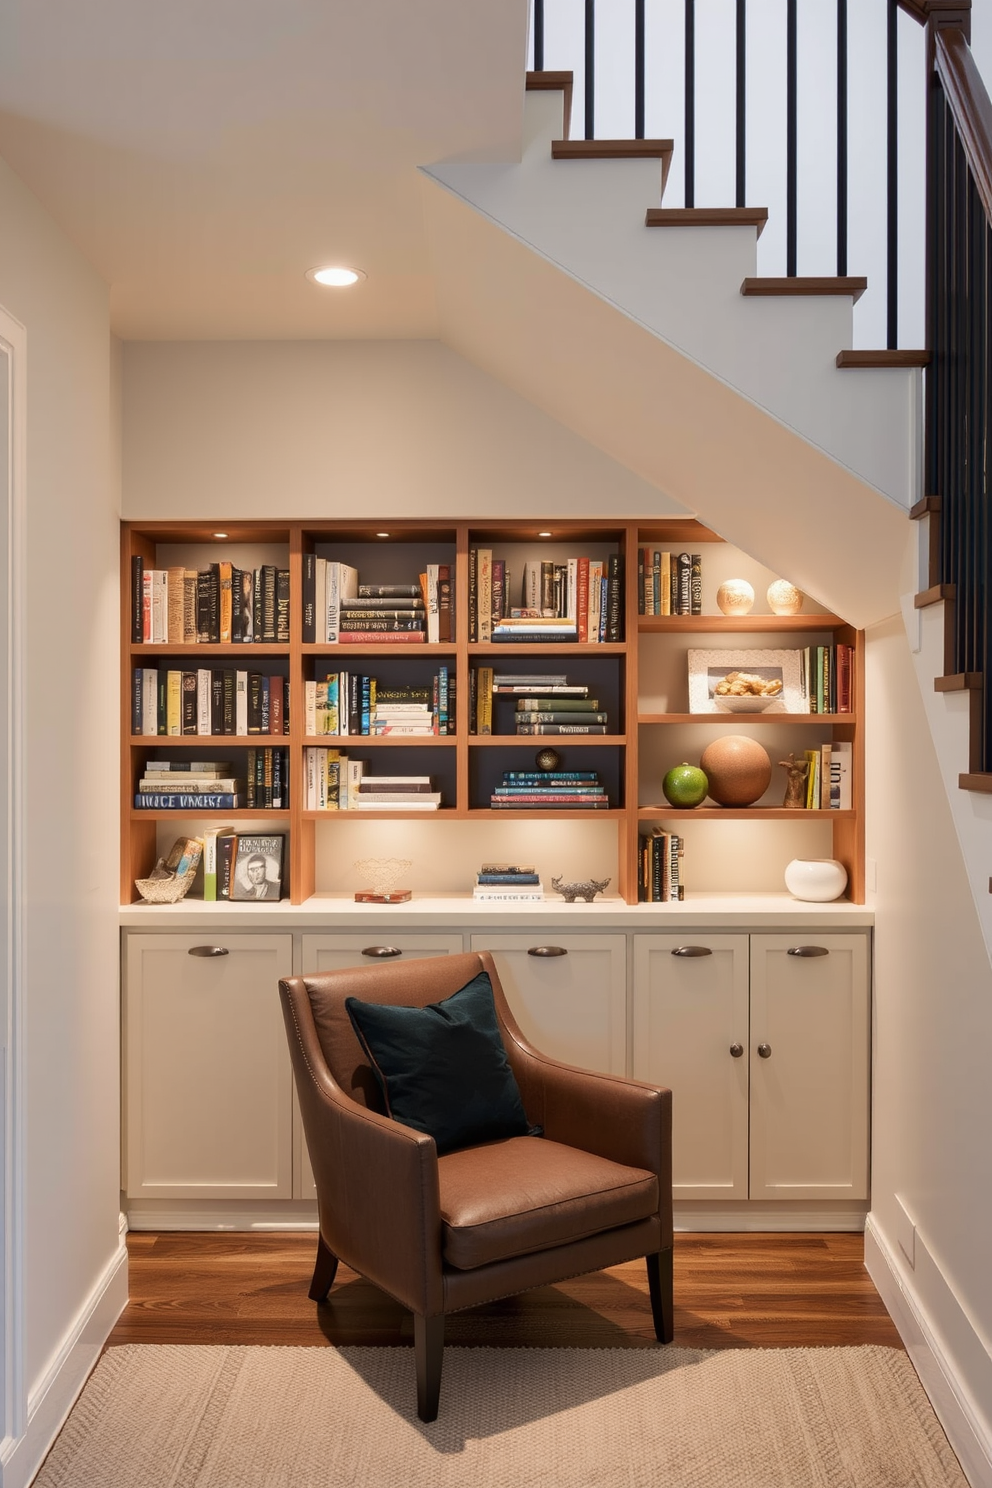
{"x": 736, "y": 1050}
{"x": 548, "y": 951}
{"x": 381, "y": 953}
{"x": 764, "y": 1051}
{"x": 208, "y": 950}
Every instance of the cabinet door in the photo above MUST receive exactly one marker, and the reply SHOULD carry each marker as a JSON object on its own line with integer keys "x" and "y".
{"x": 572, "y": 1006}
{"x": 809, "y": 1093}
{"x": 690, "y": 1022}
{"x": 334, "y": 953}
{"x": 208, "y": 1085}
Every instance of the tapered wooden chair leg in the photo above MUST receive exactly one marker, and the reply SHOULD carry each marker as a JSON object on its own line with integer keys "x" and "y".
{"x": 662, "y": 1295}
{"x": 324, "y": 1269}
{"x": 428, "y": 1346}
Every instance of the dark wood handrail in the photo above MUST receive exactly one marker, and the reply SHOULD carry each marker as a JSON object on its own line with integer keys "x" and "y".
{"x": 940, "y": 11}
{"x": 970, "y": 105}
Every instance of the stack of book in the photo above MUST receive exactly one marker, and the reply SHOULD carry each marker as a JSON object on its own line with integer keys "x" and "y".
{"x": 509, "y": 882}
{"x": 338, "y": 610}
{"x": 669, "y": 583}
{"x": 396, "y": 793}
{"x": 659, "y": 868}
{"x": 208, "y": 701}
{"x": 586, "y": 593}
{"x": 344, "y": 703}
{"x": 533, "y": 682}
{"x": 560, "y": 715}
{"x": 189, "y": 785}
{"x": 374, "y": 619}
{"x": 550, "y": 790}
{"x": 549, "y": 688}
{"x": 214, "y": 606}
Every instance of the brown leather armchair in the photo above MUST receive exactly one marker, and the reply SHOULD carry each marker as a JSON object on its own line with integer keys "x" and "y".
{"x": 443, "y": 1233}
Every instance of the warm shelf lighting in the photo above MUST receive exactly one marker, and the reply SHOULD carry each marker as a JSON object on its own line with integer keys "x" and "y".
{"x": 220, "y": 534}
{"x": 334, "y": 276}
{"x": 382, "y": 534}
{"x": 544, "y": 534}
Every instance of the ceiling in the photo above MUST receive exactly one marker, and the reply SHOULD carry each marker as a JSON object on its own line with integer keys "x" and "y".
{"x": 204, "y": 154}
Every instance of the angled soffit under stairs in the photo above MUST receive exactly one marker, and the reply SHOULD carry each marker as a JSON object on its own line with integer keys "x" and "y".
{"x": 639, "y": 339}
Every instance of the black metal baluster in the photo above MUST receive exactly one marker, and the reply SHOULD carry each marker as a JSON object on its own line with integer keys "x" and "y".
{"x": 538, "y": 35}
{"x": 842, "y": 191}
{"x": 639, "y": 69}
{"x": 690, "y": 103}
{"x": 892, "y": 177}
{"x": 791, "y": 140}
{"x": 590, "y": 69}
{"x": 741, "y": 102}
{"x": 985, "y": 372}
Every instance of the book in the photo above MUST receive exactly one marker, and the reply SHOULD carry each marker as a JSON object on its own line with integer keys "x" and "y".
{"x": 414, "y": 803}
{"x": 389, "y": 591}
{"x": 187, "y": 767}
{"x": 380, "y": 637}
{"x": 185, "y": 801}
{"x": 258, "y": 866}
{"x": 549, "y": 715}
{"x": 210, "y": 837}
{"x": 508, "y": 896}
{"x": 841, "y": 777}
{"x": 184, "y": 856}
{"x": 197, "y": 785}
{"x": 561, "y": 728}
{"x": 508, "y": 868}
{"x": 560, "y": 704}
{"x": 507, "y": 878}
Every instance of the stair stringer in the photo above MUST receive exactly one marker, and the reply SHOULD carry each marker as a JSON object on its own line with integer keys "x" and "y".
{"x": 604, "y": 373}
{"x": 949, "y": 719}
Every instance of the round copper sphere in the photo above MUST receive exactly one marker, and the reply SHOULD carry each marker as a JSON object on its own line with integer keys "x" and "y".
{"x": 737, "y": 768}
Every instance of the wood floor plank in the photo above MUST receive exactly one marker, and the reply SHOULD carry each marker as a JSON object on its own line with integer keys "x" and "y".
{"x": 731, "y": 1291}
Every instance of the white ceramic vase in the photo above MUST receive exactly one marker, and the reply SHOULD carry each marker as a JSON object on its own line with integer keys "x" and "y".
{"x": 816, "y": 879}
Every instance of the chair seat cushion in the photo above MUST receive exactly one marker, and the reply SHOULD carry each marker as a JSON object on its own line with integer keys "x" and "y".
{"x": 508, "y": 1198}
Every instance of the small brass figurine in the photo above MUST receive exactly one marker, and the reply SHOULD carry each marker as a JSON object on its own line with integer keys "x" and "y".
{"x": 795, "y": 789}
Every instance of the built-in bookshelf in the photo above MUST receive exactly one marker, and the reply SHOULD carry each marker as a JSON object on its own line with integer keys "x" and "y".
{"x": 465, "y": 713}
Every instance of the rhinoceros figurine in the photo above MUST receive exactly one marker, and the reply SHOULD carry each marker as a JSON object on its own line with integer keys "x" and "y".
{"x": 587, "y": 890}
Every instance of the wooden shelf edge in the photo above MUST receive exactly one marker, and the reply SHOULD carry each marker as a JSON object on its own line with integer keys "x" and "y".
{"x": 927, "y": 507}
{"x": 959, "y": 682}
{"x": 792, "y": 718}
{"x": 934, "y": 595}
{"x": 240, "y": 813}
{"x": 544, "y": 741}
{"x": 976, "y": 782}
{"x": 741, "y": 813}
{"x": 883, "y": 359}
{"x": 660, "y": 624}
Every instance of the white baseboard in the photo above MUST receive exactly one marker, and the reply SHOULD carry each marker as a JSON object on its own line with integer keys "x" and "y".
{"x": 969, "y": 1435}
{"x": 164, "y": 1214}
{"x": 54, "y": 1395}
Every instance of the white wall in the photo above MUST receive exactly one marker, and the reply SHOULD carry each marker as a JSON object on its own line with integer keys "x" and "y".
{"x": 350, "y": 429}
{"x": 931, "y": 1156}
{"x": 71, "y": 1219}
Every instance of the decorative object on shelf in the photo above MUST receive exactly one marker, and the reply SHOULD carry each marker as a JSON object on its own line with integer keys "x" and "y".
{"x": 816, "y": 880}
{"x": 586, "y": 890}
{"x": 795, "y": 785}
{"x": 172, "y": 877}
{"x": 784, "y": 598}
{"x": 547, "y": 759}
{"x": 382, "y": 874}
{"x": 735, "y": 597}
{"x": 773, "y": 676}
{"x": 738, "y": 770}
{"x": 257, "y": 871}
{"x": 685, "y": 785}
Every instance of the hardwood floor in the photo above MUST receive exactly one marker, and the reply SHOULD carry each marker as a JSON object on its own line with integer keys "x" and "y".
{"x": 731, "y": 1291}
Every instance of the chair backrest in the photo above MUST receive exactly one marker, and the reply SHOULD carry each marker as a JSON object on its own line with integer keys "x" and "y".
{"x": 401, "y": 983}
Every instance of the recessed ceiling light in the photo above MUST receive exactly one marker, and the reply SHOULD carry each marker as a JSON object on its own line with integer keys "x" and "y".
{"x": 220, "y": 534}
{"x": 335, "y": 276}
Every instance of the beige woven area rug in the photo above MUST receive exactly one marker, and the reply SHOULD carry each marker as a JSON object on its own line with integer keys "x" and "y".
{"x": 157, "y": 1415}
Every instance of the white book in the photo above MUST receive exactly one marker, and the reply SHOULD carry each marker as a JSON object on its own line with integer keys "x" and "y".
{"x": 320, "y": 600}
{"x": 160, "y": 605}
{"x": 414, "y": 804}
{"x": 572, "y": 585}
{"x": 203, "y": 688}
{"x": 342, "y": 583}
{"x": 310, "y": 709}
{"x": 310, "y": 787}
{"x": 534, "y": 891}
{"x": 404, "y": 798}
{"x": 149, "y": 700}
{"x": 321, "y": 773}
{"x": 241, "y": 703}
{"x": 433, "y": 618}
{"x": 353, "y": 773}
{"x": 841, "y": 779}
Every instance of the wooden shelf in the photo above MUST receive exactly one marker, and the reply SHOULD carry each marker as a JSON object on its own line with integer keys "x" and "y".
{"x": 162, "y": 650}
{"x": 213, "y": 741}
{"x": 799, "y": 718}
{"x": 544, "y": 741}
{"x": 380, "y": 741}
{"x": 369, "y": 652}
{"x": 241, "y": 813}
{"x": 714, "y": 624}
{"x": 549, "y": 813}
{"x": 559, "y": 648}
{"x": 739, "y": 813}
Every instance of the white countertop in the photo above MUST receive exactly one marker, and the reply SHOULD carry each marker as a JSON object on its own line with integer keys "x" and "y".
{"x": 427, "y": 911}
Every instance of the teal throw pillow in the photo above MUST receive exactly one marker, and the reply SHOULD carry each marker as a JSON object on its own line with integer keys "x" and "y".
{"x": 443, "y": 1068}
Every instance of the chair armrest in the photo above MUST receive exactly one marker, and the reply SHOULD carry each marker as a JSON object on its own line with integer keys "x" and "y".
{"x": 377, "y": 1182}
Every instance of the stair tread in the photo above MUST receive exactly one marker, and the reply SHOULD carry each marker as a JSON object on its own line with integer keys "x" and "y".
{"x": 926, "y": 507}
{"x": 933, "y": 595}
{"x": 550, "y": 80}
{"x": 976, "y": 782}
{"x": 901, "y": 358}
{"x": 795, "y": 285}
{"x": 707, "y": 217}
{"x": 604, "y": 149}
{"x": 959, "y": 682}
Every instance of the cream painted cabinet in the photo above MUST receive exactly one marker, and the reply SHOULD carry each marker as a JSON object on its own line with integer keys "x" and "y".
{"x": 333, "y": 953}
{"x": 691, "y": 1033}
{"x": 208, "y": 1088}
{"x": 764, "y": 1043}
{"x": 568, "y": 993}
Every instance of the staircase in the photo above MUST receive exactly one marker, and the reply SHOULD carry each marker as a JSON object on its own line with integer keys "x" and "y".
{"x": 647, "y": 331}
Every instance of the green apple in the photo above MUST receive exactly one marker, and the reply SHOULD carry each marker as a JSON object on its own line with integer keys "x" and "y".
{"x": 685, "y": 785}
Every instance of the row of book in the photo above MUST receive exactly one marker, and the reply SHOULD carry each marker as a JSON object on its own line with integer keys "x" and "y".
{"x": 669, "y": 583}
{"x": 511, "y": 883}
{"x": 209, "y": 700}
{"x": 338, "y": 610}
{"x": 556, "y": 707}
{"x": 827, "y": 678}
{"x": 829, "y": 780}
{"x": 222, "y": 604}
{"x": 550, "y": 790}
{"x": 333, "y": 782}
{"x": 660, "y": 878}
{"x": 212, "y": 785}
{"x": 580, "y": 600}
{"x": 346, "y": 703}
{"x": 242, "y": 866}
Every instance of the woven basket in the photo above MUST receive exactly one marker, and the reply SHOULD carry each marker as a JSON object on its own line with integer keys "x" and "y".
{"x": 168, "y": 888}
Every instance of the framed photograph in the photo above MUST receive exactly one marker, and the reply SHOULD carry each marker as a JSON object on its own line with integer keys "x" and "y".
{"x": 258, "y": 868}
{"x": 765, "y": 682}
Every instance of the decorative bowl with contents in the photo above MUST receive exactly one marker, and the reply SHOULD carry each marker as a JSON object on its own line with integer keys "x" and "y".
{"x": 745, "y": 692}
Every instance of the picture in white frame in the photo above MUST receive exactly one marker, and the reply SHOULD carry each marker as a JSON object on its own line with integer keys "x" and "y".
{"x": 707, "y": 668}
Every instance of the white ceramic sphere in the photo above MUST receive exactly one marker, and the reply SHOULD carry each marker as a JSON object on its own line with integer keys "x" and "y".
{"x": 735, "y": 597}
{"x": 817, "y": 880}
{"x": 784, "y": 598}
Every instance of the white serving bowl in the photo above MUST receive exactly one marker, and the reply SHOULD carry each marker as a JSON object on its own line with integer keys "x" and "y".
{"x": 745, "y": 704}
